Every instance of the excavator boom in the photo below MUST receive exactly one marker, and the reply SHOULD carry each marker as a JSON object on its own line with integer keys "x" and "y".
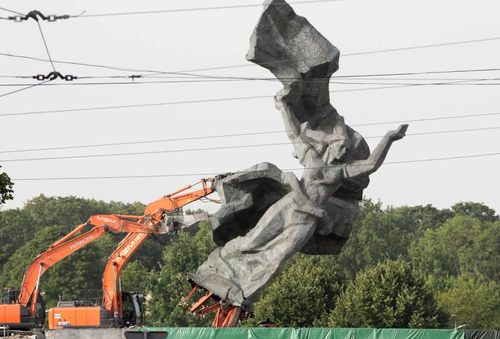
{"x": 155, "y": 220}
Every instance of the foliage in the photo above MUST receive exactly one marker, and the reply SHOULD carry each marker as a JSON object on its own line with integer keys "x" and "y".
{"x": 168, "y": 287}
{"x": 5, "y": 188}
{"x": 15, "y": 231}
{"x": 455, "y": 251}
{"x": 302, "y": 295}
{"x": 134, "y": 277}
{"x": 378, "y": 234}
{"x": 462, "y": 244}
{"x": 474, "y": 300}
{"x": 72, "y": 211}
{"x": 475, "y": 210}
{"x": 390, "y": 295}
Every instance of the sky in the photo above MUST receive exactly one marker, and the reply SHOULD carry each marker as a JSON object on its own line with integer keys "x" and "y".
{"x": 164, "y": 96}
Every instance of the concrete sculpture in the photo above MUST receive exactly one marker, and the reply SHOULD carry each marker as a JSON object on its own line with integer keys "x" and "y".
{"x": 268, "y": 215}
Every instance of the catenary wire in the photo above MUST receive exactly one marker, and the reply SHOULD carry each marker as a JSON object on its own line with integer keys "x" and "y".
{"x": 197, "y": 9}
{"x": 210, "y": 100}
{"x": 11, "y": 11}
{"x": 211, "y": 174}
{"x": 184, "y": 74}
{"x": 23, "y": 89}
{"x": 442, "y": 81}
{"x": 46, "y": 47}
{"x": 242, "y": 134}
{"x": 251, "y": 64}
{"x": 214, "y": 148}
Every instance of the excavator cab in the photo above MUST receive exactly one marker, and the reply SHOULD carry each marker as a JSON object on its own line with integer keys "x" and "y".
{"x": 39, "y": 317}
{"x": 10, "y": 297}
{"x": 132, "y": 306}
{"x": 17, "y": 316}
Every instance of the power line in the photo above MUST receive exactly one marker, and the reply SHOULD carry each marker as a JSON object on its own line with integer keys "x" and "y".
{"x": 8, "y": 10}
{"x": 359, "y": 81}
{"x": 22, "y": 89}
{"x": 142, "y": 142}
{"x": 137, "y": 105}
{"x": 255, "y": 133}
{"x": 197, "y": 9}
{"x": 369, "y": 52}
{"x": 423, "y": 46}
{"x": 211, "y": 100}
{"x": 211, "y": 174}
{"x": 212, "y": 148}
{"x": 46, "y": 47}
{"x": 186, "y": 72}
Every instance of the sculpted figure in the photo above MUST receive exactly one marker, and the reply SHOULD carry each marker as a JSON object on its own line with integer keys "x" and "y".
{"x": 268, "y": 215}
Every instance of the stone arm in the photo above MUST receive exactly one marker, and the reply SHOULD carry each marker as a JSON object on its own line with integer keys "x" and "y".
{"x": 362, "y": 168}
{"x": 304, "y": 151}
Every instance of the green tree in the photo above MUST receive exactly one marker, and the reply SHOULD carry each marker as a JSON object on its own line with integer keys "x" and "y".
{"x": 302, "y": 295}
{"x": 390, "y": 295}
{"x": 134, "y": 277}
{"x": 72, "y": 211}
{"x": 475, "y": 210}
{"x": 168, "y": 287}
{"x": 474, "y": 300}
{"x": 5, "y": 188}
{"x": 15, "y": 230}
{"x": 462, "y": 244}
{"x": 380, "y": 234}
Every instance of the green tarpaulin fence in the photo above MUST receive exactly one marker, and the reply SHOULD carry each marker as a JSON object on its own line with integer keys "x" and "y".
{"x": 304, "y": 333}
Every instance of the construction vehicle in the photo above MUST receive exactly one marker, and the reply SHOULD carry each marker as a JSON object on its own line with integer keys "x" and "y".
{"x": 228, "y": 315}
{"x": 114, "y": 308}
{"x": 24, "y": 308}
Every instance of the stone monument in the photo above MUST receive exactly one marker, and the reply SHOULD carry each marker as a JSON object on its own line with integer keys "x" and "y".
{"x": 268, "y": 215}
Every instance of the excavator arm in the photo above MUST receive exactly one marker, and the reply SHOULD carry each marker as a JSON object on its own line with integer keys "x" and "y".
{"x": 64, "y": 247}
{"x": 155, "y": 220}
{"x": 158, "y": 212}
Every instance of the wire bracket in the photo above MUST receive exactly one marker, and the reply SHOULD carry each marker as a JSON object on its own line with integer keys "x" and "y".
{"x": 53, "y": 76}
{"x": 37, "y": 14}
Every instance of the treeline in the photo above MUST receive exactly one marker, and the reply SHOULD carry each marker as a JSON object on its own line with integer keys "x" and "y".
{"x": 403, "y": 267}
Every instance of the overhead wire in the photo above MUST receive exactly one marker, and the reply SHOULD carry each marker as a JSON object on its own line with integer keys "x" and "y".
{"x": 46, "y": 47}
{"x": 365, "y": 53}
{"x": 347, "y": 80}
{"x": 197, "y": 9}
{"x": 213, "y": 100}
{"x": 23, "y": 89}
{"x": 352, "y": 54}
{"x": 11, "y": 11}
{"x": 213, "y": 173}
{"x": 50, "y": 59}
{"x": 187, "y": 72}
{"x": 218, "y": 148}
{"x": 241, "y": 134}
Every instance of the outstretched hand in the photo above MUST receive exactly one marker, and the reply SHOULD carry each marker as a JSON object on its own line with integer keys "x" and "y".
{"x": 398, "y": 133}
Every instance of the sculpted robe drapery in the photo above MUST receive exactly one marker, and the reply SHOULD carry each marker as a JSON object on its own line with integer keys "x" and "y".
{"x": 265, "y": 216}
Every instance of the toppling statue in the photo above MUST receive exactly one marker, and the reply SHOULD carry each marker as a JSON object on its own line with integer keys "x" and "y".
{"x": 268, "y": 215}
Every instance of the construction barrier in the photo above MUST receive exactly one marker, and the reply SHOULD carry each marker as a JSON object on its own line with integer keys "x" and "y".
{"x": 305, "y": 333}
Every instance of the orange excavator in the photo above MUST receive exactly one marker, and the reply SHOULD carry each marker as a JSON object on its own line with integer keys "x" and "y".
{"x": 115, "y": 308}
{"x": 24, "y": 308}
{"x": 228, "y": 315}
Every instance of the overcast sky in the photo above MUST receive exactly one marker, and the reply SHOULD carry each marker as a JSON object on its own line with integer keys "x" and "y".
{"x": 200, "y": 108}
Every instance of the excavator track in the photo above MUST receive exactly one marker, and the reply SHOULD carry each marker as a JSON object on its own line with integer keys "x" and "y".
{"x": 15, "y": 334}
